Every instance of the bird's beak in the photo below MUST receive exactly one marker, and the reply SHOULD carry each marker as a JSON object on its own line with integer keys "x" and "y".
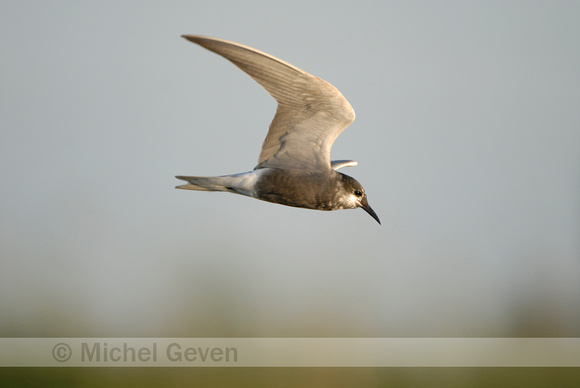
{"x": 367, "y": 208}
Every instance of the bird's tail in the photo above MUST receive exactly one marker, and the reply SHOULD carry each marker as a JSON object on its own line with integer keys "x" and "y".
{"x": 244, "y": 183}
{"x": 201, "y": 183}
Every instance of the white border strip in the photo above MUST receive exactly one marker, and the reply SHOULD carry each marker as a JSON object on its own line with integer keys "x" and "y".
{"x": 290, "y": 352}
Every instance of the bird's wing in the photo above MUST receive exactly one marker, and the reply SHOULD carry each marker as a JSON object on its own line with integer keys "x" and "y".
{"x": 311, "y": 112}
{"x": 336, "y": 164}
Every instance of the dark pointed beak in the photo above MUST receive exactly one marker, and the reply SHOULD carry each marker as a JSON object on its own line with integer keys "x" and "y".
{"x": 367, "y": 208}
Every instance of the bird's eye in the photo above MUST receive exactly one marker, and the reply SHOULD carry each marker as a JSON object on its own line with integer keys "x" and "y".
{"x": 358, "y": 193}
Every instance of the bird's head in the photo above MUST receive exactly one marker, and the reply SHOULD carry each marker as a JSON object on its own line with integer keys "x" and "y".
{"x": 353, "y": 195}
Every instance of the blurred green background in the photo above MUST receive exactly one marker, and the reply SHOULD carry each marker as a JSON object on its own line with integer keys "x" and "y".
{"x": 467, "y": 137}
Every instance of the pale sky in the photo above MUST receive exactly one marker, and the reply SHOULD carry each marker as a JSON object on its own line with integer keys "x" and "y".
{"x": 467, "y": 137}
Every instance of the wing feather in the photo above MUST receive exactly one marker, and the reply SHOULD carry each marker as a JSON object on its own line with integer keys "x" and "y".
{"x": 311, "y": 113}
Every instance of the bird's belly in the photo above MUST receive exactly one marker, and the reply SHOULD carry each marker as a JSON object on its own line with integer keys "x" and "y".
{"x": 298, "y": 189}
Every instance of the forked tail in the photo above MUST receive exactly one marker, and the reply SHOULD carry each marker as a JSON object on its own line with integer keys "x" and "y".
{"x": 201, "y": 183}
{"x": 243, "y": 183}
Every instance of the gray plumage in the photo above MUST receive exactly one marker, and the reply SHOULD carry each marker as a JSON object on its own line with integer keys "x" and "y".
{"x": 294, "y": 166}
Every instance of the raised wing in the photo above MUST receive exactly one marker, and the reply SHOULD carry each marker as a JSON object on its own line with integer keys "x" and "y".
{"x": 311, "y": 112}
{"x": 336, "y": 164}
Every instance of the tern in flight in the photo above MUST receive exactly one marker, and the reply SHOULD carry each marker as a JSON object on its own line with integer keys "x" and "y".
{"x": 294, "y": 167}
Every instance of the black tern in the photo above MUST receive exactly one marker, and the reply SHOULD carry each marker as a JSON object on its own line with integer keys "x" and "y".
{"x": 294, "y": 166}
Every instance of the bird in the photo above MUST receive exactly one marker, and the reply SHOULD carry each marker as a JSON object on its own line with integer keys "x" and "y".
{"x": 294, "y": 166}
